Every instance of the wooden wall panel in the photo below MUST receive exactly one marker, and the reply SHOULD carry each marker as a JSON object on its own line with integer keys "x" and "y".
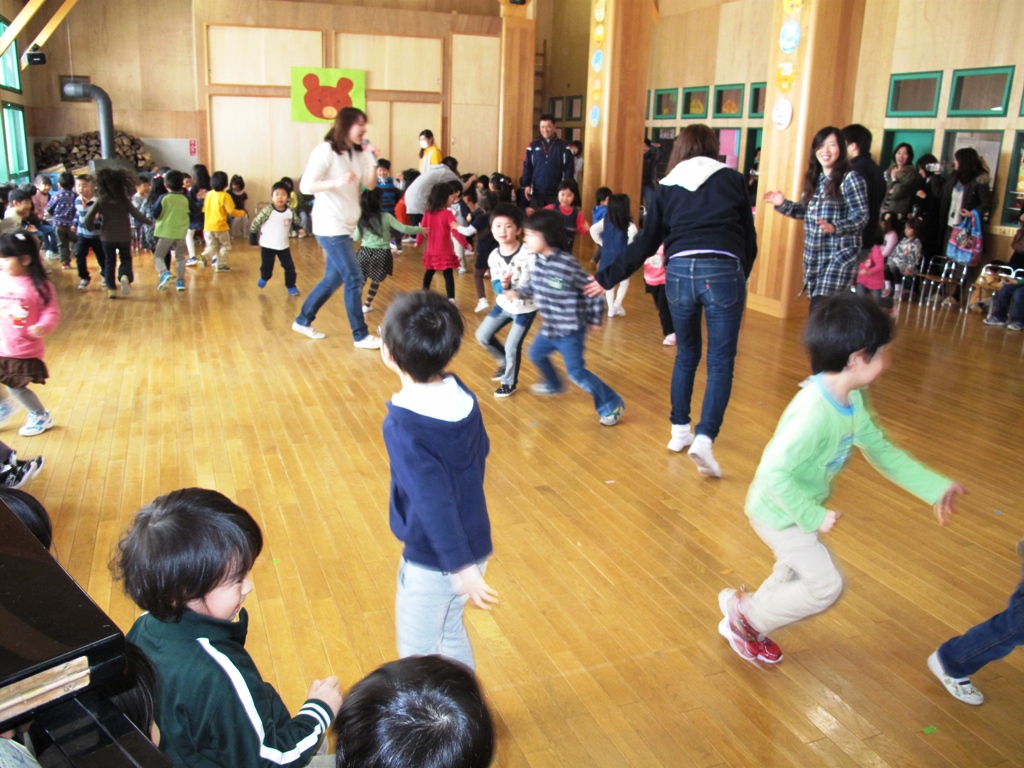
{"x": 414, "y": 64}
{"x": 476, "y": 69}
{"x": 368, "y": 52}
{"x": 408, "y": 118}
{"x": 378, "y": 128}
{"x": 518, "y": 43}
{"x": 260, "y": 55}
{"x": 474, "y": 130}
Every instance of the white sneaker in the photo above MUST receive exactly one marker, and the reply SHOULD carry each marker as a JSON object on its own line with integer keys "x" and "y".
{"x": 619, "y": 310}
{"x": 307, "y": 330}
{"x": 700, "y": 453}
{"x": 367, "y": 308}
{"x": 681, "y": 437}
{"x": 369, "y": 342}
{"x": 670, "y": 340}
{"x": 959, "y": 688}
{"x": 481, "y": 305}
{"x": 126, "y": 287}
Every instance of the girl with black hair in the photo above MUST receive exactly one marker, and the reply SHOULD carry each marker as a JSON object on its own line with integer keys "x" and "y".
{"x": 834, "y": 204}
{"x": 114, "y": 190}
{"x": 147, "y": 238}
{"x": 569, "y": 209}
{"x": 28, "y": 311}
{"x": 239, "y": 197}
{"x": 613, "y": 233}
{"x": 439, "y": 222}
{"x": 966, "y": 190}
{"x": 373, "y": 233}
{"x": 197, "y": 190}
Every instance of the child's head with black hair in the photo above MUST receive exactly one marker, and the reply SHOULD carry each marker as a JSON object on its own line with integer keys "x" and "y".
{"x": 219, "y": 181}
{"x": 371, "y": 210}
{"x": 201, "y": 176}
{"x": 190, "y": 549}
{"x": 115, "y": 185}
{"x": 409, "y": 176}
{"x": 158, "y": 188}
{"x": 287, "y": 181}
{"x": 279, "y": 195}
{"x": 134, "y": 691}
{"x": 43, "y": 183}
{"x": 442, "y": 196}
{"x": 618, "y": 212}
{"x": 545, "y": 231}
{"x": 912, "y": 228}
{"x": 486, "y": 200}
{"x": 846, "y": 331}
{"x": 85, "y": 185}
{"x": 509, "y": 211}
{"x": 21, "y": 201}
{"x": 32, "y": 514}
{"x": 456, "y": 186}
{"x": 506, "y": 224}
{"x": 237, "y": 184}
{"x": 143, "y": 185}
{"x": 19, "y": 257}
{"x": 383, "y": 163}
{"x": 186, "y": 181}
{"x": 602, "y": 195}
{"x": 469, "y": 195}
{"x": 425, "y": 711}
{"x": 888, "y": 222}
{"x": 421, "y": 333}
{"x": 66, "y": 180}
{"x": 568, "y": 194}
{"x": 175, "y": 181}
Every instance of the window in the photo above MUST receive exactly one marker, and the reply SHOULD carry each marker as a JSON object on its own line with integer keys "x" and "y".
{"x": 573, "y": 108}
{"x": 758, "y": 93}
{"x": 1010, "y": 215}
{"x": 980, "y": 92}
{"x": 666, "y": 104}
{"x": 10, "y": 70}
{"x": 556, "y": 107}
{"x": 914, "y": 95}
{"x": 17, "y": 143}
{"x": 695, "y": 102}
{"x": 728, "y": 101}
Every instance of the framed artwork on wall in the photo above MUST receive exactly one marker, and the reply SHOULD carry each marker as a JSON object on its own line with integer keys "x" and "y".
{"x": 758, "y": 93}
{"x": 695, "y": 102}
{"x": 666, "y": 104}
{"x": 573, "y": 108}
{"x": 556, "y": 106}
{"x": 728, "y": 100}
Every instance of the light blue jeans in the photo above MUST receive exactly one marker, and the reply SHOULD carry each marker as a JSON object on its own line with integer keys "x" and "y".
{"x": 342, "y": 269}
{"x": 428, "y": 614}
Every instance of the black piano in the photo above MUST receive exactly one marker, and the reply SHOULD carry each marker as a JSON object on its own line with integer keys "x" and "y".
{"x": 56, "y": 647}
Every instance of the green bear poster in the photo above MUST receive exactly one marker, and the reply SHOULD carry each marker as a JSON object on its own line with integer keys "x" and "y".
{"x": 319, "y": 94}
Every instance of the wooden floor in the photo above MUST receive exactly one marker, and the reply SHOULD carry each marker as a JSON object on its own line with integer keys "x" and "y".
{"x": 609, "y": 549}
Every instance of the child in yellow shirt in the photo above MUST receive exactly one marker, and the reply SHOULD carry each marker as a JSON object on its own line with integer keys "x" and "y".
{"x": 217, "y": 207}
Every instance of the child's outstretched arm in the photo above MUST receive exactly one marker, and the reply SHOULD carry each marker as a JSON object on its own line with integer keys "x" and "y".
{"x": 897, "y": 465}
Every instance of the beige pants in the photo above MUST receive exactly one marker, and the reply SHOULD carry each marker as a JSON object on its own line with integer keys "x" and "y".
{"x": 217, "y": 244}
{"x": 805, "y": 580}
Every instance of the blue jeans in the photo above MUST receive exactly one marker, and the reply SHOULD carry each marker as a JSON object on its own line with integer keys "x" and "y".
{"x": 571, "y": 348}
{"x": 1008, "y": 304}
{"x": 47, "y": 236}
{"x": 510, "y": 353}
{"x": 989, "y": 641}
{"x": 342, "y": 268}
{"x": 428, "y": 614}
{"x": 718, "y": 287}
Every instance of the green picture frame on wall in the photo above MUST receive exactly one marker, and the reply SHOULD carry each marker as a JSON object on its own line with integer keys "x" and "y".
{"x": 573, "y": 108}
{"x": 695, "y": 103}
{"x": 665, "y": 105}
{"x": 758, "y": 97}
{"x": 914, "y": 94}
{"x": 728, "y": 101}
{"x": 980, "y": 92}
{"x": 556, "y": 107}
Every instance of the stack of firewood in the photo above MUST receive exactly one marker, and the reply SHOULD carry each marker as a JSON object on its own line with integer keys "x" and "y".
{"x": 75, "y": 152}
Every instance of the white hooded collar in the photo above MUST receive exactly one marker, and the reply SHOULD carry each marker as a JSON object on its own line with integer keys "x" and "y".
{"x": 690, "y": 174}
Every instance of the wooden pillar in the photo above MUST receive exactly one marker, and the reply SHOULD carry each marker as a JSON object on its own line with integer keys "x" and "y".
{"x": 620, "y": 33}
{"x": 820, "y": 88}
{"x": 515, "y": 115}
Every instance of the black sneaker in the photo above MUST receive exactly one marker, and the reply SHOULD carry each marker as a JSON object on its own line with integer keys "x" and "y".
{"x": 499, "y": 374}
{"x": 504, "y": 391}
{"x": 20, "y": 472}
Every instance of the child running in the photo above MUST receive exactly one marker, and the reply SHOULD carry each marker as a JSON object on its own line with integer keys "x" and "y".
{"x": 847, "y": 338}
{"x": 115, "y": 188}
{"x": 557, "y": 284}
{"x": 186, "y": 560}
{"x": 510, "y": 264}
{"x": 88, "y": 239}
{"x": 61, "y": 210}
{"x": 613, "y": 232}
{"x": 374, "y": 233}
{"x": 239, "y": 225}
{"x": 569, "y": 209}
{"x": 479, "y": 224}
{"x": 440, "y": 253}
{"x": 28, "y": 312}
{"x": 437, "y": 445}
{"x": 171, "y": 211}
{"x": 654, "y": 279}
{"x": 218, "y": 207}
{"x": 274, "y": 226}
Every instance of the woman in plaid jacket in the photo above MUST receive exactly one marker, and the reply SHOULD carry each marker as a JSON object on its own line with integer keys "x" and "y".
{"x": 834, "y": 205}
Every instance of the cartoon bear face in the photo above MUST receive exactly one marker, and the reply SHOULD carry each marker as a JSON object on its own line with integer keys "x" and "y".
{"x": 325, "y": 101}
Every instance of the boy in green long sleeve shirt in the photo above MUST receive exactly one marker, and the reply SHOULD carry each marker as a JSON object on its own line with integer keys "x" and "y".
{"x": 847, "y": 338}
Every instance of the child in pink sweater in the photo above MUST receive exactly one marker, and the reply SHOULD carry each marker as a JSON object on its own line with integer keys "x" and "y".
{"x": 871, "y": 275}
{"x": 28, "y": 311}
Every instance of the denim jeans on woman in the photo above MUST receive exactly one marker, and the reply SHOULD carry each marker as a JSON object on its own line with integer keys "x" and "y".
{"x": 718, "y": 288}
{"x": 342, "y": 269}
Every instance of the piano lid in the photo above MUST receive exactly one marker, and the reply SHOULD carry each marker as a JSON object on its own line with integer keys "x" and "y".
{"x": 46, "y": 619}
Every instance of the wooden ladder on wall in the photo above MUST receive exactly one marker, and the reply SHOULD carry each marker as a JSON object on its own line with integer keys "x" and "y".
{"x": 540, "y": 61}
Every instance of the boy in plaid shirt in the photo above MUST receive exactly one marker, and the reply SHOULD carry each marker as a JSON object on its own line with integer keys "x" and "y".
{"x": 556, "y": 286}
{"x": 61, "y": 210}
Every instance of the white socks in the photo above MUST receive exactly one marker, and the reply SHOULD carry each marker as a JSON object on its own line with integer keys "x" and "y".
{"x": 702, "y": 456}
{"x": 681, "y": 437}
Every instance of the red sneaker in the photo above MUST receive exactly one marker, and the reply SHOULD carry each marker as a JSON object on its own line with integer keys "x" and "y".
{"x": 745, "y": 649}
{"x": 768, "y": 650}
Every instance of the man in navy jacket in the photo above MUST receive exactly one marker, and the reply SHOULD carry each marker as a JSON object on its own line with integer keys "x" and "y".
{"x": 548, "y": 161}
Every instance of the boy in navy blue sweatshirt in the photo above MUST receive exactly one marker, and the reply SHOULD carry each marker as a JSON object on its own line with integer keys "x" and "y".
{"x": 438, "y": 447}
